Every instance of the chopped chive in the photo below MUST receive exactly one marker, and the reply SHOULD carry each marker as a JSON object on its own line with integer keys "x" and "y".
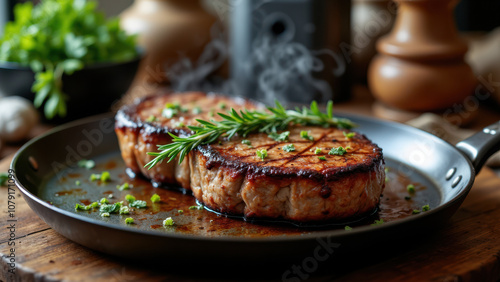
{"x": 425, "y": 208}
{"x": 94, "y": 177}
{"x": 196, "y": 207}
{"x": 138, "y": 204}
{"x": 180, "y": 211}
{"x": 155, "y": 198}
{"x": 169, "y": 113}
{"x": 104, "y": 201}
{"x": 317, "y": 150}
{"x": 88, "y": 164}
{"x": 262, "y": 154}
{"x": 279, "y": 137}
{"x": 124, "y": 186}
{"x": 124, "y": 210}
{"x": 80, "y": 207}
{"x": 416, "y": 212}
{"x": 323, "y": 158}
{"x": 378, "y": 222}
{"x": 339, "y": 151}
{"x": 129, "y": 220}
{"x": 304, "y": 134}
{"x": 349, "y": 134}
{"x": 105, "y": 176}
{"x": 289, "y": 148}
{"x": 129, "y": 198}
{"x": 168, "y": 222}
{"x": 196, "y": 111}
{"x": 410, "y": 188}
{"x": 105, "y": 214}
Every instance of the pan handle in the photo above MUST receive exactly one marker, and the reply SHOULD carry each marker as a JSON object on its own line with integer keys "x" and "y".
{"x": 480, "y": 146}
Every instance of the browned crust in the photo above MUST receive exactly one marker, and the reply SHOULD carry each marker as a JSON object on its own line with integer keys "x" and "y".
{"x": 215, "y": 158}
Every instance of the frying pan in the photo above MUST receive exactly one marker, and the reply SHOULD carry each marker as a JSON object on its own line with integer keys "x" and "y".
{"x": 451, "y": 170}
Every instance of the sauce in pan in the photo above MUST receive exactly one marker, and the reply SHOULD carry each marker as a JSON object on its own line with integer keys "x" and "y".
{"x": 75, "y": 186}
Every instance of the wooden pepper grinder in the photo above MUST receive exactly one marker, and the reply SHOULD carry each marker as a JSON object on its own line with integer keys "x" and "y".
{"x": 420, "y": 66}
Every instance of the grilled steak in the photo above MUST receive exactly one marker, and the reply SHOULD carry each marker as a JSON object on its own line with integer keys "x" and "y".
{"x": 144, "y": 125}
{"x": 301, "y": 185}
{"x": 310, "y": 183}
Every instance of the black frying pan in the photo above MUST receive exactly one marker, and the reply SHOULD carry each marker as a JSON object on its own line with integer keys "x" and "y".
{"x": 449, "y": 170}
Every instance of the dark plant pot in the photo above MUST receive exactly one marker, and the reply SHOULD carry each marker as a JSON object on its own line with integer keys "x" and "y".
{"x": 91, "y": 90}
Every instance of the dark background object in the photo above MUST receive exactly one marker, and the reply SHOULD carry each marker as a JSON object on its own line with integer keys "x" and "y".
{"x": 290, "y": 49}
{"x": 90, "y": 91}
{"x": 477, "y": 15}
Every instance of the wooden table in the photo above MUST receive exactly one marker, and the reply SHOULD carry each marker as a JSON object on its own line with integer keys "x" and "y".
{"x": 466, "y": 249}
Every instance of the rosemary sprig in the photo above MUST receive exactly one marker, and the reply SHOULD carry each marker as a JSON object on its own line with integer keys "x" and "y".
{"x": 278, "y": 118}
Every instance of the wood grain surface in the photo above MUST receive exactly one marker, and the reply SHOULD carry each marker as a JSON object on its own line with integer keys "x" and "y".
{"x": 466, "y": 249}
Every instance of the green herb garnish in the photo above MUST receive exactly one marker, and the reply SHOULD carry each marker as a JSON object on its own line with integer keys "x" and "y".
{"x": 151, "y": 118}
{"x": 104, "y": 176}
{"x": 378, "y": 222}
{"x": 416, "y": 212}
{"x": 196, "y": 111}
{"x": 80, "y": 207}
{"x": 169, "y": 113}
{"x": 59, "y": 37}
{"x": 305, "y": 135}
{"x": 110, "y": 208}
{"x": 3, "y": 178}
{"x": 88, "y": 164}
{"x": 349, "y": 135}
{"x": 322, "y": 158}
{"x": 124, "y": 186}
{"x": 425, "y": 208}
{"x": 247, "y": 142}
{"x": 347, "y": 228}
{"x": 339, "y": 151}
{"x": 222, "y": 106}
{"x": 105, "y": 214}
{"x": 138, "y": 204}
{"x": 289, "y": 148}
{"x": 124, "y": 210}
{"x": 180, "y": 211}
{"x": 129, "y": 198}
{"x": 78, "y": 183}
{"x": 196, "y": 207}
{"x": 104, "y": 201}
{"x": 155, "y": 198}
{"x": 279, "y": 137}
{"x": 168, "y": 222}
{"x": 243, "y": 123}
{"x": 410, "y": 188}
{"x": 262, "y": 154}
{"x": 317, "y": 150}
{"x": 129, "y": 220}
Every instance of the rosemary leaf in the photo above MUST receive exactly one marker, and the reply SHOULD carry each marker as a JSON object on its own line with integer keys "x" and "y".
{"x": 243, "y": 123}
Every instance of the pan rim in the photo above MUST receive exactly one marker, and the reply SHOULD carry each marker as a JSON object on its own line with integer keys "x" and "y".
{"x": 314, "y": 235}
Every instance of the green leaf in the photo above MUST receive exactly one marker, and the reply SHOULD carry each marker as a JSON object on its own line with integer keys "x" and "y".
{"x": 51, "y": 107}
{"x": 72, "y": 65}
{"x": 41, "y": 95}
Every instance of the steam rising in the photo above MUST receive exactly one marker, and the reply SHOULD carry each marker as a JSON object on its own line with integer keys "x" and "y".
{"x": 276, "y": 69}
